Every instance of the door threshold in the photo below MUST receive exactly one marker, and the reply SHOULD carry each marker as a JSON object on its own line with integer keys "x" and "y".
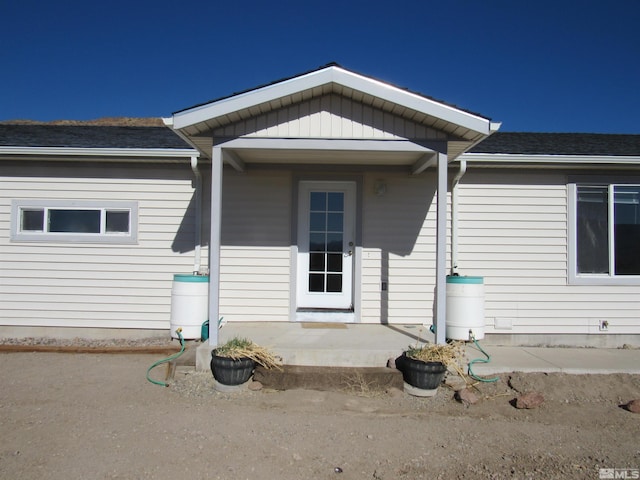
{"x": 325, "y": 316}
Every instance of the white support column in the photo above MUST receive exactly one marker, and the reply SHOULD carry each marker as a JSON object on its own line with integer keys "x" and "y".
{"x": 214, "y": 245}
{"x": 441, "y": 251}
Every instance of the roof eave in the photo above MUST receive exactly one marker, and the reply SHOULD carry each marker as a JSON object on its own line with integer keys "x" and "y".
{"x": 502, "y": 158}
{"x": 121, "y": 153}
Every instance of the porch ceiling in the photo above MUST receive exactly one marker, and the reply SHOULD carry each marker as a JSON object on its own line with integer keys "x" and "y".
{"x": 330, "y": 157}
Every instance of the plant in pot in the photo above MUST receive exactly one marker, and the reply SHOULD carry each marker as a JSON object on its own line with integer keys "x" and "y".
{"x": 233, "y": 362}
{"x": 423, "y": 367}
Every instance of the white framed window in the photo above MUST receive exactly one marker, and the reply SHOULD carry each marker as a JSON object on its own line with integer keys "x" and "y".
{"x": 74, "y": 221}
{"x": 604, "y": 233}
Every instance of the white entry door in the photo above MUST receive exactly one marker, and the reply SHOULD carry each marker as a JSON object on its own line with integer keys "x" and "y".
{"x": 326, "y": 245}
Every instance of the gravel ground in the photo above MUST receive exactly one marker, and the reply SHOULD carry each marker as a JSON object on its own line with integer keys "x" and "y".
{"x": 90, "y": 343}
{"x": 67, "y": 416}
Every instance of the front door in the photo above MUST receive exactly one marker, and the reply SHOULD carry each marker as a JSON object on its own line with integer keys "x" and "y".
{"x": 326, "y": 245}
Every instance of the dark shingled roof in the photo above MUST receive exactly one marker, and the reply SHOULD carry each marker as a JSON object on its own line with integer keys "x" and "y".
{"x": 84, "y": 136}
{"x": 560, "y": 144}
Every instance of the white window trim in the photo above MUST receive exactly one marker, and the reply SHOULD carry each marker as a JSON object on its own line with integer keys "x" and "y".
{"x": 592, "y": 278}
{"x": 63, "y": 237}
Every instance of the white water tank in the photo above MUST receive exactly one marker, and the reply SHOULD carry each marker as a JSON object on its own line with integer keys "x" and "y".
{"x": 465, "y": 308}
{"x": 189, "y": 304}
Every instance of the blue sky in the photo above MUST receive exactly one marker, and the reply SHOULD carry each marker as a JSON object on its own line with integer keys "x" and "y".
{"x": 540, "y": 66}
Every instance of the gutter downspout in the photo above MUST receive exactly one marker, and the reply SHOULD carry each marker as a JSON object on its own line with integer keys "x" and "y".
{"x": 454, "y": 216}
{"x": 198, "y": 214}
{"x": 168, "y": 122}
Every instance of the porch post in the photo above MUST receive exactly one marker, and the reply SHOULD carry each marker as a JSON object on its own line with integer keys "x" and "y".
{"x": 214, "y": 245}
{"x": 441, "y": 251}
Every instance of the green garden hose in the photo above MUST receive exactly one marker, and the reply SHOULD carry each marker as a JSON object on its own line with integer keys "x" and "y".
{"x": 166, "y": 360}
{"x": 481, "y": 360}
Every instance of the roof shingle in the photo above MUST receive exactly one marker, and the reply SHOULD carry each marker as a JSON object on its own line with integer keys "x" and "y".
{"x": 84, "y": 136}
{"x": 524, "y": 143}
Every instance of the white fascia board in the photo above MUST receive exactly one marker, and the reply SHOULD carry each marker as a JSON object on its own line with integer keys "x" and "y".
{"x": 413, "y": 101}
{"x": 100, "y": 152}
{"x": 549, "y": 159}
{"x": 339, "y": 76}
{"x": 248, "y": 99}
{"x": 324, "y": 144}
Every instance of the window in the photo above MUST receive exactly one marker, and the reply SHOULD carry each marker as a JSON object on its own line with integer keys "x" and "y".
{"x": 606, "y": 233}
{"x": 74, "y": 221}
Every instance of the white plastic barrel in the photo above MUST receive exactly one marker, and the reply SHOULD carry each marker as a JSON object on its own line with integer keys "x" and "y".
{"x": 189, "y": 304}
{"x": 465, "y": 308}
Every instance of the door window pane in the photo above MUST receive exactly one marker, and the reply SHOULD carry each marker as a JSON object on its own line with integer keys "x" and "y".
{"x": 592, "y": 230}
{"x": 316, "y": 262}
{"x": 334, "y": 283}
{"x": 334, "y": 262}
{"x": 316, "y": 282}
{"x": 335, "y": 221}
{"x": 318, "y": 221}
{"x": 317, "y": 242}
{"x": 318, "y": 202}
{"x": 626, "y": 216}
{"x": 335, "y": 202}
{"x": 334, "y": 242}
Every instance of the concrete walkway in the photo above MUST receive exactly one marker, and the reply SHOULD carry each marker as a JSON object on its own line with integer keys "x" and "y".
{"x": 368, "y": 345}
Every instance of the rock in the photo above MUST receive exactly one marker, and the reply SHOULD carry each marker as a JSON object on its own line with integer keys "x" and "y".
{"x": 254, "y": 386}
{"x": 466, "y": 397}
{"x": 455, "y": 383}
{"x": 394, "y": 392}
{"x": 529, "y": 400}
{"x": 633, "y": 406}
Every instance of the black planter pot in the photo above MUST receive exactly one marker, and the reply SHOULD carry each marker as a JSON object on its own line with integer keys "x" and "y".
{"x": 419, "y": 374}
{"x": 229, "y": 371}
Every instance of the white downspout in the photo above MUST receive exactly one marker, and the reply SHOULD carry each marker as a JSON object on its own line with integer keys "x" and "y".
{"x": 454, "y": 216}
{"x": 198, "y": 214}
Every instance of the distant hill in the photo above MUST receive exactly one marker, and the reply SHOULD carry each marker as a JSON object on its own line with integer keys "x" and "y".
{"x": 105, "y": 121}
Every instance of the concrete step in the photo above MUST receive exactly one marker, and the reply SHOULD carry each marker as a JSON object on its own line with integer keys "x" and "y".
{"x": 358, "y": 380}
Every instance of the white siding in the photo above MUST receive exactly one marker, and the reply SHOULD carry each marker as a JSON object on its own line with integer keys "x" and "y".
{"x": 329, "y": 116}
{"x": 399, "y": 245}
{"x": 255, "y": 252}
{"x": 97, "y": 285}
{"x": 513, "y": 232}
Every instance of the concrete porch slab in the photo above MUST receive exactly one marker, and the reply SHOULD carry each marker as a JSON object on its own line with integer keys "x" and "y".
{"x": 324, "y": 345}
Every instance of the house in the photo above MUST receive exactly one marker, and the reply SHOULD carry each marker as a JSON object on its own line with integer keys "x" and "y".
{"x": 328, "y": 196}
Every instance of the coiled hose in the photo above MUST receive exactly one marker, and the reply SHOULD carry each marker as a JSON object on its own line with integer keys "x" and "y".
{"x": 166, "y": 360}
{"x": 480, "y": 360}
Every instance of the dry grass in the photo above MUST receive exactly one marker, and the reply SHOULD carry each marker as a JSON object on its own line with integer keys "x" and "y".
{"x": 450, "y": 354}
{"x": 357, "y": 384}
{"x": 237, "y": 348}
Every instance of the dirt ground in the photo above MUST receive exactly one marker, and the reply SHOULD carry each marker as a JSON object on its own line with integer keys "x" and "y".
{"x": 90, "y": 416}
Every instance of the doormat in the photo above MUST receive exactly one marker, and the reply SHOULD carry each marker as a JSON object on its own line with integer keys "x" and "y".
{"x": 323, "y": 325}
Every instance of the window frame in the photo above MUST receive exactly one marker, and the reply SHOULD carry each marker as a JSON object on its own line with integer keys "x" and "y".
{"x": 610, "y": 278}
{"x": 18, "y": 235}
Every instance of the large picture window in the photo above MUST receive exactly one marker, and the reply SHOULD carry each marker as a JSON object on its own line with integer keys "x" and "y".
{"x": 74, "y": 221}
{"x": 606, "y": 232}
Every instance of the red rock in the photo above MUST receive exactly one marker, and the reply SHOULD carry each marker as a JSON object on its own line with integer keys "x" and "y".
{"x": 633, "y": 406}
{"x": 529, "y": 400}
{"x": 254, "y": 386}
{"x": 466, "y": 397}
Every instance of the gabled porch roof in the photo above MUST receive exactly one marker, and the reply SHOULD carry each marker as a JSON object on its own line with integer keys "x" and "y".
{"x": 460, "y": 129}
